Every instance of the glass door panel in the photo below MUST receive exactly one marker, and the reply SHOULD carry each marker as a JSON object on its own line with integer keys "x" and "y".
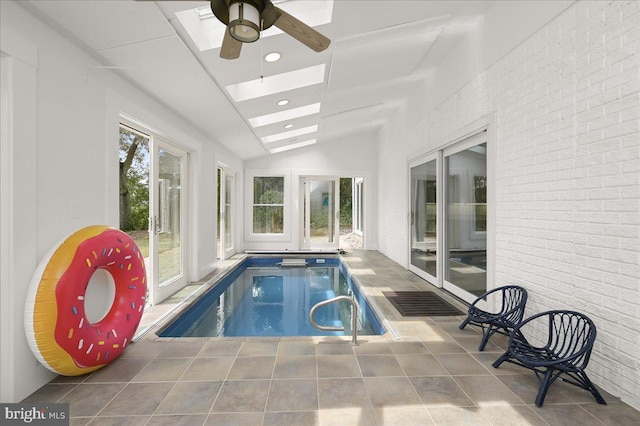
{"x": 466, "y": 222}
{"x": 134, "y": 191}
{"x": 169, "y": 216}
{"x": 229, "y": 184}
{"x": 167, "y": 236}
{"x": 320, "y": 211}
{"x": 424, "y": 233}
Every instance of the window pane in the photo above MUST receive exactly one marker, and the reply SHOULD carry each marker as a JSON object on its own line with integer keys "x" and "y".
{"x": 268, "y": 190}
{"x": 423, "y": 215}
{"x": 268, "y": 219}
{"x": 466, "y": 195}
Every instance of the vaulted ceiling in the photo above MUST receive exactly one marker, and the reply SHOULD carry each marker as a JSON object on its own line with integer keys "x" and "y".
{"x": 380, "y": 50}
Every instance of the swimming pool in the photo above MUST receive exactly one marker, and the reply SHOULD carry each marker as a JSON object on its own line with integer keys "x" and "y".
{"x": 260, "y": 298}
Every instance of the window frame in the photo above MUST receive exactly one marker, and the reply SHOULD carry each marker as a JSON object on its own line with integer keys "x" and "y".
{"x": 250, "y": 235}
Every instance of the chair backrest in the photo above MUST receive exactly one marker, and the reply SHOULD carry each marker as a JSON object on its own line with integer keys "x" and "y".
{"x": 514, "y": 299}
{"x": 571, "y": 335}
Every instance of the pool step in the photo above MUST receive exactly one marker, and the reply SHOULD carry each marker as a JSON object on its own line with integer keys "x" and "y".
{"x": 293, "y": 262}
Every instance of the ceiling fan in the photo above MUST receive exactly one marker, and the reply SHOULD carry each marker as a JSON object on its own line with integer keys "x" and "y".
{"x": 245, "y": 19}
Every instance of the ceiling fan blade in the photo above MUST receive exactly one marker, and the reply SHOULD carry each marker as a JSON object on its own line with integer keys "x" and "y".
{"x": 230, "y": 48}
{"x": 301, "y": 31}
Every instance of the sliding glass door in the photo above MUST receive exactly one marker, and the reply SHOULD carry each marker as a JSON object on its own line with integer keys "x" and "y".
{"x": 465, "y": 171}
{"x": 449, "y": 221}
{"x": 424, "y": 219}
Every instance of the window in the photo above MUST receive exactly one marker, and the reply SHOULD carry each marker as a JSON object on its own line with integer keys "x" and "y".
{"x": 268, "y": 205}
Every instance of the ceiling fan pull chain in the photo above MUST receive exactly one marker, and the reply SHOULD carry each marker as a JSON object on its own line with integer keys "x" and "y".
{"x": 261, "y": 51}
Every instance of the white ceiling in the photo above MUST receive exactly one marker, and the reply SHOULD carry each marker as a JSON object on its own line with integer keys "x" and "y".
{"x": 380, "y": 50}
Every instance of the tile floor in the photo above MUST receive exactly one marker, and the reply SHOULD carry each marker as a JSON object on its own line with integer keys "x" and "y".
{"x": 427, "y": 372}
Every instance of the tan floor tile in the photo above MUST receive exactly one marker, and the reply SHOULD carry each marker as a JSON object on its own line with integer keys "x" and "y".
{"x": 255, "y": 367}
{"x": 379, "y": 365}
{"x": 222, "y": 348}
{"x": 234, "y": 419}
{"x": 242, "y": 396}
{"x": 163, "y": 369}
{"x": 137, "y": 399}
{"x": 487, "y": 390}
{"x": 567, "y": 415}
{"x": 342, "y": 393}
{"x": 293, "y": 348}
{"x": 189, "y": 398}
{"x": 405, "y": 416}
{"x": 180, "y": 349}
{"x": 440, "y": 392}
{"x": 347, "y": 416}
{"x": 420, "y": 365}
{"x": 391, "y": 391}
{"x": 334, "y": 348}
{"x": 338, "y": 366}
{"x": 512, "y": 415}
{"x": 89, "y": 399}
{"x": 295, "y": 367}
{"x": 458, "y": 416}
{"x": 408, "y": 347}
{"x": 120, "y": 370}
{"x": 173, "y": 420}
{"x": 293, "y": 395}
{"x": 208, "y": 369}
{"x": 526, "y": 387}
{"x": 306, "y": 418}
{"x": 258, "y": 348}
{"x": 460, "y": 364}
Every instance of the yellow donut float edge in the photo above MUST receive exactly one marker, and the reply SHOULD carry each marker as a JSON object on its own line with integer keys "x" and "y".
{"x": 41, "y": 311}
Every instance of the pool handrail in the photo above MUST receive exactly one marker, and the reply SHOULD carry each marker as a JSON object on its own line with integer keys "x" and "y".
{"x": 354, "y": 317}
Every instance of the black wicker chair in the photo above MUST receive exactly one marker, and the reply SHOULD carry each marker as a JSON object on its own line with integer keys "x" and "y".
{"x": 514, "y": 299}
{"x": 569, "y": 340}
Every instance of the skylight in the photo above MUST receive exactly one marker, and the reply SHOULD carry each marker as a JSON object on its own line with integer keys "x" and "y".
{"x": 289, "y": 114}
{"x": 277, "y": 83}
{"x": 292, "y": 146}
{"x": 290, "y": 134}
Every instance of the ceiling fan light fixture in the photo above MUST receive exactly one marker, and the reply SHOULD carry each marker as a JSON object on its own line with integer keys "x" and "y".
{"x": 244, "y": 21}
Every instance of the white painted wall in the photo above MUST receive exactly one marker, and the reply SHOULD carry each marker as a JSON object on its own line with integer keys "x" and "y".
{"x": 350, "y": 156}
{"x": 566, "y": 101}
{"x": 64, "y": 169}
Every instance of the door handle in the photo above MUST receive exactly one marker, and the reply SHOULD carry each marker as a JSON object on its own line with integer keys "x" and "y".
{"x": 154, "y": 225}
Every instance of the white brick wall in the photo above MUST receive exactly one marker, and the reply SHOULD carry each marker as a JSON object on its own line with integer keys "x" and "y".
{"x": 567, "y": 105}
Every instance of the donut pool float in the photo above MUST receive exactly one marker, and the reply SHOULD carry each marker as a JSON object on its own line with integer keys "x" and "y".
{"x": 85, "y": 301}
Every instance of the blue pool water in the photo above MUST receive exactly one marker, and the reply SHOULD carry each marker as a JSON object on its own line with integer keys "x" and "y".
{"x": 259, "y": 298}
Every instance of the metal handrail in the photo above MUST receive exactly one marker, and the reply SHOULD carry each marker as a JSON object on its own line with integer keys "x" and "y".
{"x": 354, "y": 317}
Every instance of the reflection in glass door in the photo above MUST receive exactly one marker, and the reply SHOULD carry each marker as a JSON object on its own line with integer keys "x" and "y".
{"x": 424, "y": 235}
{"x": 466, "y": 221}
{"x": 226, "y": 184}
{"x": 167, "y": 236}
{"x": 321, "y": 228}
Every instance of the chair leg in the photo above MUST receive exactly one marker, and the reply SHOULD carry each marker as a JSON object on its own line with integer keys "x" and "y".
{"x": 544, "y": 387}
{"x": 485, "y": 338}
{"x": 464, "y": 323}
{"x": 500, "y": 360}
{"x": 592, "y": 388}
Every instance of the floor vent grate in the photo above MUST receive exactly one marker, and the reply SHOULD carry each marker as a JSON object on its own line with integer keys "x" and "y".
{"x": 420, "y": 303}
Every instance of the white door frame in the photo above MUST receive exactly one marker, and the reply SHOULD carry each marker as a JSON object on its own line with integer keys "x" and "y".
{"x": 158, "y": 291}
{"x": 306, "y": 212}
